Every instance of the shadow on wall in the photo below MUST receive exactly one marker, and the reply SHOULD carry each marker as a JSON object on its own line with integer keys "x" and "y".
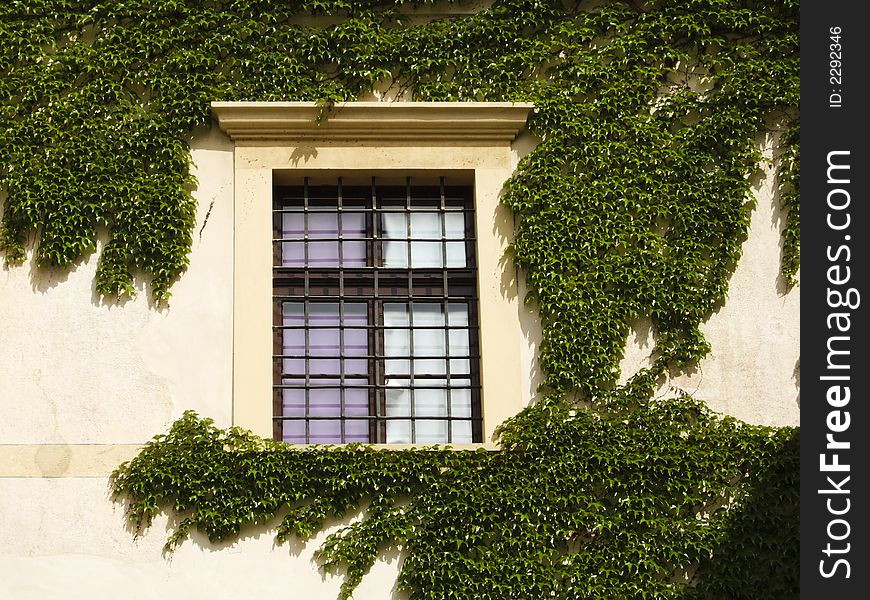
{"x": 758, "y": 554}
{"x": 796, "y": 375}
{"x": 513, "y": 287}
{"x": 779, "y": 213}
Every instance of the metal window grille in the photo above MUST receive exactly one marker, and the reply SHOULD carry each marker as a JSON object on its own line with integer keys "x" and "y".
{"x": 375, "y": 314}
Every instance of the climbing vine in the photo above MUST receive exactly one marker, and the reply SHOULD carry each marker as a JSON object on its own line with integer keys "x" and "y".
{"x": 635, "y": 203}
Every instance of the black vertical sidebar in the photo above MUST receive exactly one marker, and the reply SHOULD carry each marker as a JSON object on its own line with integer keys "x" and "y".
{"x": 835, "y": 228}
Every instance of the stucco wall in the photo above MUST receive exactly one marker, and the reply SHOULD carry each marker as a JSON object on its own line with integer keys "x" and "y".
{"x": 76, "y": 371}
{"x": 63, "y": 539}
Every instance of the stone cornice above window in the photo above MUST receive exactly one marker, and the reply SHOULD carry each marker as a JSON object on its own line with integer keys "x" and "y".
{"x": 374, "y": 122}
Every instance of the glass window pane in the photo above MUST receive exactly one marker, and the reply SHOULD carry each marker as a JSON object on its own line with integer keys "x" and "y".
{"x": 427, "y": 314}
{"x": 459, "y": 346}
{"x": 429, "y": 342}
{"x": 293, "y": 340}
{"x": 431, "y": 402}
{"x": 353, "y": 254}
{"x": 462, "y": 432}
{"x": 293, "y": 405}
{"x": 396, "y": 341}
{"x": 454, "y": 225}
{"x": 325, "y": 431}
{"x": 356, "y": 404}
{"x": 293, "y": 254}
{"x": 426, "y": 254}
{"x": 460, "y": 400}
{"x": 322, "y": 254}
{"x": 456, "y": 255}
{"x": 425, "y": 225}
{"x": 460, "y": 406}
{"x": 394, "y": 226}
{"x": 293, "y": 225}
{"x": 398, "y": 403}
{"x": 322, "y": 225}
{"x": 353, "y": 225}
{"x": 457, "y": 314}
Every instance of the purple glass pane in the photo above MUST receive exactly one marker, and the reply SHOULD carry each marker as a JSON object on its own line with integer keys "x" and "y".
{"x": 353, "y": 253}
{"x": 356, "y": 404}
{"x": 293, "y": 406}
{"x": 323, "y": 233}
{"x": 292, "y": 228}
{"x": 324, "y": 339}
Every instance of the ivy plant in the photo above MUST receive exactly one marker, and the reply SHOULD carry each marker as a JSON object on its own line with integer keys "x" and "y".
{"x": 635, "y": 203}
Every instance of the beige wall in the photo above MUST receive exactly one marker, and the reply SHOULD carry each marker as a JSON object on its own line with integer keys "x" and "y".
{"x": 62, "y": 539}
{"x": 74, "y": 371}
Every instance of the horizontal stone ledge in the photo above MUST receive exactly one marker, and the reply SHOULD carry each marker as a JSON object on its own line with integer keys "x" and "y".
{"x": 494, "y": 122}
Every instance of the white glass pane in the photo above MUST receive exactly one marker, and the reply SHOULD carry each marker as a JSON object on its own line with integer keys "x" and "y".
{"x": 457, "y": 314}
{"x": 399, "y": 400}
{"x": 431, "y": 432}
{"x": 395, "y": 255}
{"x": 430, "y": 402}
{"x": 430, "y": 366}
{"x": 462, "y": 432}
{"x": 456, "y": 254}
{"x": 460, "y": 400}
{"x": 454, "y": 226}
{"x": 426, "y": 254}
{"x": 398, "y": 405}
{"x": 427, "y": 314}
{"x": 425, "y": 225}
{"x": 460, "y": 406}
{"x": 395, "y": 315}
{"x": 397, "y": 342}
{"x": 429, "y": 342}
{"x": 394, "y": 226}
{"x": 459, "y": 346}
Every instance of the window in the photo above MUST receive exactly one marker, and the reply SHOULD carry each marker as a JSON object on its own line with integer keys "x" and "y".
{"x": 375, "y": 295}
{"x": 364, "y": 347}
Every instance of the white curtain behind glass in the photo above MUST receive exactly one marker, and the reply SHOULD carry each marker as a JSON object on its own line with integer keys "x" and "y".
{"x": 434, "y": 238}
{"x": 439, "y": 382}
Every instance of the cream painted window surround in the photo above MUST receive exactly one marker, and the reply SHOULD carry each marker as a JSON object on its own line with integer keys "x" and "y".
{"x": 278, "y": 141}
